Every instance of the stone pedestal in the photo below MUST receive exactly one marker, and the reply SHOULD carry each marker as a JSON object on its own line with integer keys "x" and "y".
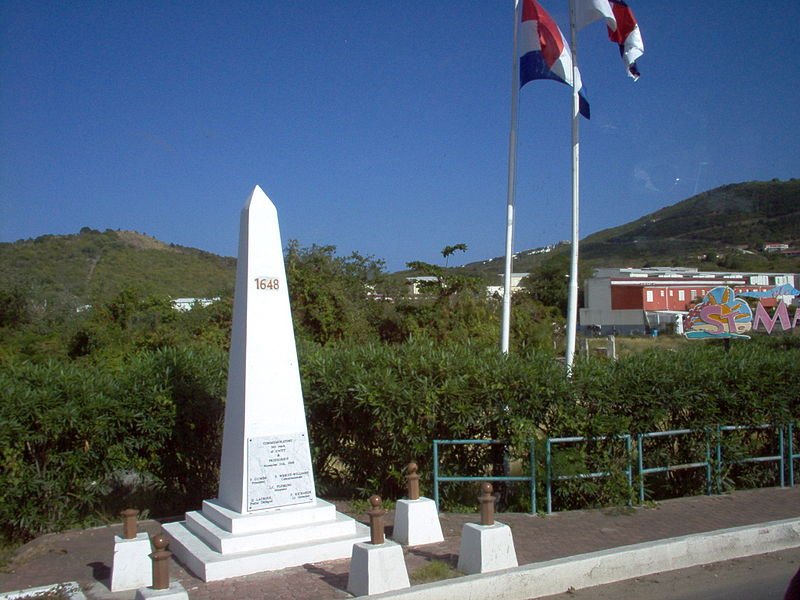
{"x": 175, "y": 591}
{"x": 377, "y": 568}
{"x": 416, "y": 522}
{"x": 486, "y": 548}
{"x": 131, "y": 566}
{"x": 217, "y": 543}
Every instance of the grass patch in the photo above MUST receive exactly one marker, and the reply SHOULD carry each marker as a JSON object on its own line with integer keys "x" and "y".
{"x": 361, "y": 506}
{"x": 7, "y": 550}
{"x": 436, "y": 570}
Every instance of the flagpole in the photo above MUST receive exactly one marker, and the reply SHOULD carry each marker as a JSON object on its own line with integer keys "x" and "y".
{"x": 512, "y": 178}
{"x": 572, "y": 302}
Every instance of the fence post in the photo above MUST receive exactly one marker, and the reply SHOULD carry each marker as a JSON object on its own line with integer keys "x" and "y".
{"x": 549, "y": 479}
{"x": 533, "y": 476}
{"x": 436, "y": 473}
{"x": 791, "y": 454}
{"x": 640, "y": 461}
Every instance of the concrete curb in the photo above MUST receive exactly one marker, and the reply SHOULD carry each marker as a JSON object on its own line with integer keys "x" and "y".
{"x": 608, "y": 566}
{"x": 70, "y": 587}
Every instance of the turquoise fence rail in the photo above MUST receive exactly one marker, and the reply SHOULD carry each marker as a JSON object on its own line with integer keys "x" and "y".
{"x": 706, "y": 464}
{"x": 598, "y": 474}
{"x": 786, "y": 457}
{"x": 778, "y": 458}
{"x": 438, "y": 478}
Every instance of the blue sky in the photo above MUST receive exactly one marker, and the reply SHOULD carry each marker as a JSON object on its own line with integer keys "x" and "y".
{"x": 378, "y": 126}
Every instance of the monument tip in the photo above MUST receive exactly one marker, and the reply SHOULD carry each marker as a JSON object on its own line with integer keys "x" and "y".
{"x": 258, "y": 196}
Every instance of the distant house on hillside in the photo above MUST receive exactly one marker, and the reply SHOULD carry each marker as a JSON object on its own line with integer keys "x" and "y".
{"x": 413, "y": 283}
{"x": 516, "y": 284}
{"x": 641, "y": 300}
{"x": 185, "y": 304}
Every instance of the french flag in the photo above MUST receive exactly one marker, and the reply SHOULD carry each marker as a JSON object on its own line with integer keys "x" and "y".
{"x": 627, "y": 36}
{"x": 544, "y": 53}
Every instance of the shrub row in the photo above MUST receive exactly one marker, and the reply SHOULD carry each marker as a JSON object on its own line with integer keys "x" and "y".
{"x": 373, "y": 408}
{"x": 78, "y": 437}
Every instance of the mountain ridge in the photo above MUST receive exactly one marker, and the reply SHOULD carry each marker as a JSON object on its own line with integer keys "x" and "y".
{"x": 713, "y": 229}
{"x": 720, "y": 229}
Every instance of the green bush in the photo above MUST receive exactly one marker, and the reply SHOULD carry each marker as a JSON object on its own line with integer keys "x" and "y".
{"x": 86, "y": 435}
{"x": 373, "y": 408}
{"x": 64, "y": 431}
{"x": 77, "y": 437}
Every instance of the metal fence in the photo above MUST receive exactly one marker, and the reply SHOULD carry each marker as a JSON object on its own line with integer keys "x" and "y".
{"x": 791, "y": 454}
{"x": 626, "y": 438}
{"x": 438, "y": 478}
{"x": 713, "y": 463}
{"x": 643, "y": 471}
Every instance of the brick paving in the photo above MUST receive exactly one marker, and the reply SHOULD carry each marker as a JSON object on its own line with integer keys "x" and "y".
{"x": 85, "y": 556}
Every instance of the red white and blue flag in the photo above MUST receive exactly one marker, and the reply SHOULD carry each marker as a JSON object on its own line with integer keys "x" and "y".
{"x": 544, "y": 53}
{"x": 589, "y": 11}
{"x": 627, "y": 35}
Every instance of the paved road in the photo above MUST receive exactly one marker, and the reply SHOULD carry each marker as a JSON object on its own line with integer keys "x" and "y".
{"x": 761, "y": 577}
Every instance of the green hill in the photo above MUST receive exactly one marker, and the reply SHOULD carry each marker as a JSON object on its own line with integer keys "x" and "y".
{"x": 93, "y": 266}
{"x": 724, "y": 228}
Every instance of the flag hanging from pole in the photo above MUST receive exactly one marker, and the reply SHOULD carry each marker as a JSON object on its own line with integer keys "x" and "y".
{"x": 589, "y": 11}
{"x": 628, "y": 36}
{"x": 544, "y": 53}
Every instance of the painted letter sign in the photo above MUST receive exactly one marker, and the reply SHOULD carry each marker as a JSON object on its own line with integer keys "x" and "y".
{"x": 722, "y": 314}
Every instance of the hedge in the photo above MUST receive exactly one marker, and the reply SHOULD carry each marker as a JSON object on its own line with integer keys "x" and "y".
{"x": 80, "y": 439}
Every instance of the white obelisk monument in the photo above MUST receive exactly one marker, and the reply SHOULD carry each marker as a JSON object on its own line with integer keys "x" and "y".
{"x": 267, "y": 515}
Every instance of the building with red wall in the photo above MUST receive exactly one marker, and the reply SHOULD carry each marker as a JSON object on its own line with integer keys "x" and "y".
{"x": 639, "y": 300}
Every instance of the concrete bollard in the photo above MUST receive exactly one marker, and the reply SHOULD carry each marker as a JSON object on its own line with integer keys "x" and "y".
{"x": 488, "y": 546}
{"x": 486, "y": 500}
{"x": 162, "y": 588}
{"x": 377, "y": 566}
{"x": 130, "y": 565}
{"x": 129, "y": 523}
{"x": 160, "y": 558}
{"x": 412, "y": 481}
{"x": 376, "y": 514}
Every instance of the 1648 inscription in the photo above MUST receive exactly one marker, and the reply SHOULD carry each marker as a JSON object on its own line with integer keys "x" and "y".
{"x": 278, "y": 471}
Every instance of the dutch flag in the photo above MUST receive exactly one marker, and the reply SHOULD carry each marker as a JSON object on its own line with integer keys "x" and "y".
{"x": 628, "y": 36}
{"x": 544, "y": 53}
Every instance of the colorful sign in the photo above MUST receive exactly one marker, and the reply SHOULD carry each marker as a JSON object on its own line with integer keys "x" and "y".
{"x": 722, "y": 315}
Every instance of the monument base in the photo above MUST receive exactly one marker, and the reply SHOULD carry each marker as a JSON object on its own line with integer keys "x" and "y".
{"x": 217, "y": 543}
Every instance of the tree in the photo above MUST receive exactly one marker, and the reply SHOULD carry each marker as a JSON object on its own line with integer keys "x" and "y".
{"x": 548, "y": 283}
{"x": 13, "y": 307}
{"x": 456, "y": 306}
{"x": 448, "y": 251}
{"x": 332, "y": 297}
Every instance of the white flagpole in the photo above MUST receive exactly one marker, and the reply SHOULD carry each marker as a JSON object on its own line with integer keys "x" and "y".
{"x": 572, "y": 303}
{"x": 512, "y": 178}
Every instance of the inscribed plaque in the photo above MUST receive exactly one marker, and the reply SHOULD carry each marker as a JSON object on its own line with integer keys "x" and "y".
{"x": 278, "y": 471}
